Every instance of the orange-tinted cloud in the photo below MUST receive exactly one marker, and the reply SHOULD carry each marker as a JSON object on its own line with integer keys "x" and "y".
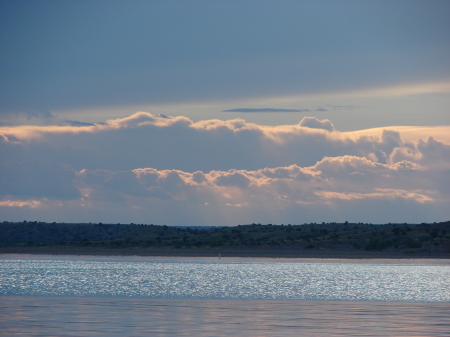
{"x": 174, "y": 169}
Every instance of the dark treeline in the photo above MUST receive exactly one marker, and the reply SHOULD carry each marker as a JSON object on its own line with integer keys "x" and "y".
{"x": 407, "y": 238}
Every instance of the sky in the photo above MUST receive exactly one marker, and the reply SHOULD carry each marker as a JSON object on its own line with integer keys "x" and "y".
{"x": 225, "y": 112}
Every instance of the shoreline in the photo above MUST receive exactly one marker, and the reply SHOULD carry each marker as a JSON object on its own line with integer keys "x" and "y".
{"x": 237, "y": 252}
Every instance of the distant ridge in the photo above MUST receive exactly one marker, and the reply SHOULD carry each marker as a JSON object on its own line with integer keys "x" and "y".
{"x": 412, "y": 239}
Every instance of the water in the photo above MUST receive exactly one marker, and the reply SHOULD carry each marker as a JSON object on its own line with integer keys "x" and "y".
{"x": 138, "y": 296}
{"x": 66, "y": 316}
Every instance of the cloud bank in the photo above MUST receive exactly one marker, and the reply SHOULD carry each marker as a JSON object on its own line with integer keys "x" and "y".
{"x": 270, "y": 110}
{"x": 170, "y": 170}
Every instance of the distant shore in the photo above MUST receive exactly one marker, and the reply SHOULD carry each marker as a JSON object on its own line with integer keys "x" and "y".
{"x": 235, "y": 252}
{"x": 332, "y": 240}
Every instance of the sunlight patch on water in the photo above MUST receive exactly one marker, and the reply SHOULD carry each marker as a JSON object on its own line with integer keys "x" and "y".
{"x": 225, "y": 280}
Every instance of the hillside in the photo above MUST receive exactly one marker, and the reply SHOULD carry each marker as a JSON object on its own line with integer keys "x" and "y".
{"x": 411, "y": 239}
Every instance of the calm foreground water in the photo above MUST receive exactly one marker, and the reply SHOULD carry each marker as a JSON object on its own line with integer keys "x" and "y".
{"x": 149, "y": 296}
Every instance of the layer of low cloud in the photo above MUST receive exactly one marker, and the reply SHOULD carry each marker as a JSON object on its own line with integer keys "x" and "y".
{"x": 169, "y": 170}
{"x": 31, "y": 116}
{"x": 76, "y": 123}
{"x": 270, "y": 110}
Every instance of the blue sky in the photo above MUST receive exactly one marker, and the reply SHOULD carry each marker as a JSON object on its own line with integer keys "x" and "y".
{"x": 361, "y": 65}
{"x": 71, "y": 57}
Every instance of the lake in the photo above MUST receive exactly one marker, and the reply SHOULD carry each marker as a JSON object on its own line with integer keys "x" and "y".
{"x": 171, "y": 296}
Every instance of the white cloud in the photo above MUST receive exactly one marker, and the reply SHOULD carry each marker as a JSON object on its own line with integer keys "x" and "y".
{"x": 171, "y": 170}
{"x": 314, "y": 123}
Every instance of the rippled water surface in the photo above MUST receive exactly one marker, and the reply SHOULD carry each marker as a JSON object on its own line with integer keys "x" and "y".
{"x": 65, "y": 316}
{"x": 137, "y": 296}
{"x": 203, "y": 278}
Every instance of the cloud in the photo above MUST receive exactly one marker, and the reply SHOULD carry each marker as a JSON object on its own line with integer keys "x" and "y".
{"x": 27, "y": 116}
{"x": 263, "y": 194}
{"x": 232, "y": 178}
{"x": 37, "y": 178}
{"x": 30, "y": 114}
{"x": 171, "y": 170}
{"x": 270, "y": 110}
{"x": 330, "y": 175}
{"x": 145, "y": 136}
{"x": 429, "y": 153}
{"x": 21, "y": 203}
{"x": 433, "y": 151}
{"x": 382, "y": 194}
{"x": 314, "y": 123}
{"x": 77, "y": 123}
{"x": 161, "y": 142}
{"x": 343, "y": 107}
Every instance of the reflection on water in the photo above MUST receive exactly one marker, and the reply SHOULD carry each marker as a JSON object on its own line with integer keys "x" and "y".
{"x": 131, "y": 296}
{"x": 65, "y": 316}
{"x": 224, "y": 279}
